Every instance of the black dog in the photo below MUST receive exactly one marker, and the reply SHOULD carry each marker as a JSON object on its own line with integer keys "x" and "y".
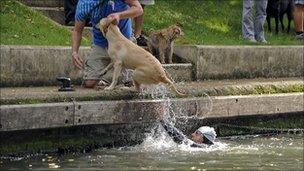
{"x": 277, "y": 9}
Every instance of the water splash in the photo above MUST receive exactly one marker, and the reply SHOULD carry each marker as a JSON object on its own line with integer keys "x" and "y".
{"x": 158, "y": 91}
{"x": 159, "y": 141}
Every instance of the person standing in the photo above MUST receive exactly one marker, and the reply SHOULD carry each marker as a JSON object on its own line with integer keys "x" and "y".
{"x": 299, "y": 19}
{"x": 138, "y": 22}
{"x": 119, "y": 11}
{"x": 69, "y": 11}
{"x": 253, "y": 27}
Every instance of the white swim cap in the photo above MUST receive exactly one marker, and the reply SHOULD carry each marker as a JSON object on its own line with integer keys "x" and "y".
{"x": 208, "y": 132}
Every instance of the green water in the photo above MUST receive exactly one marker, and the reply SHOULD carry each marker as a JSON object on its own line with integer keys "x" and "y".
{"x": 283, "y": 152}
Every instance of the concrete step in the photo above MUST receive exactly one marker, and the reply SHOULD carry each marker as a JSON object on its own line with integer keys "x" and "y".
{"x": 54, "y": 13}
{"x": 43, "y": 3}
{"x": 235, "y": 62}
{"x": 40, "y": 65}
{"x": 48, "y": 94}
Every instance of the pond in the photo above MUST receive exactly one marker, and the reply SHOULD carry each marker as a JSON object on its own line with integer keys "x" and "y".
{"x": 279, "y": 152}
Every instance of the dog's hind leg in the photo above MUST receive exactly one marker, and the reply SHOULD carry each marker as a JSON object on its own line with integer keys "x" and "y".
{"x": 138, "y": 78}
{"x": 277, "y": 24}
{"x": 116, "y": 73}
{"x": 269, "y": 23}
{"x": 282, "y": 22}
{"x": 136, "y": 85}
{"x": 290, "y": 17}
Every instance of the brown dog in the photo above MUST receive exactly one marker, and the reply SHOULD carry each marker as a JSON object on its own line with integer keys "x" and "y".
{"x": 161, "y": 42}
{"x": 124, "y": 53}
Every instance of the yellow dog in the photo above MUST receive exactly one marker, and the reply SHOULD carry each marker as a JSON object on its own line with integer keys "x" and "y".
{"x": 124, "y": 53}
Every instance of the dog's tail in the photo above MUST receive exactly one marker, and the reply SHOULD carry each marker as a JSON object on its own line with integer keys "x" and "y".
{"x": 173, "y": 87}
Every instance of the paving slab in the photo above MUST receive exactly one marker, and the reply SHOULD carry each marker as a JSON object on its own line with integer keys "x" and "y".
{"x": 33, "y": 95}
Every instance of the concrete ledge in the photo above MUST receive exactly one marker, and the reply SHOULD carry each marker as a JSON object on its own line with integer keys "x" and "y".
{"x": 23, "y": 117}
{"x": 40, "y": 65}
{"x": 54, "y": 13}
{"x": 219, "y": 62}
{"x": 43, "y": 3}
{"x": 38, "y": 116}
{"x": 34, "y": 95}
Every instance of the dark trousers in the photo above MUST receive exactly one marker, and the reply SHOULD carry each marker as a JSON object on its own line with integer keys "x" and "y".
{"x": 69, "y": 10}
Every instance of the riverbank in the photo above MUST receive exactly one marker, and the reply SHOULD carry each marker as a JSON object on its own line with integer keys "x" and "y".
{"x": 41, "y": 119}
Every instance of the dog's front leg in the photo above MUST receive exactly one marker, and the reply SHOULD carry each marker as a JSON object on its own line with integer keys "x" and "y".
{"x": 162, "y": 54}
{"x": 117, "y": 71}
{"x": 104, "y": 71}
{"x": 169, "y": 53}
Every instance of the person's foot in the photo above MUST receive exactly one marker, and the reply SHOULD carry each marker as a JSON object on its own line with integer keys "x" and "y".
{"x": 263, "y": 41}
{"x": 300, "y": 36}
{"x": 251, "y": 40}
{"x": 141, "y": 41}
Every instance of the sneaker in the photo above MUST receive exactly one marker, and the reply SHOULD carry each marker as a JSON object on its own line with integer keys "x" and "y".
{"x": 103, "y": 82}
{"x": 263, "y": 41}
{"x": 251, "y": 40}
{"x": 300, "y": 36}
{"x": 141, "y": 41}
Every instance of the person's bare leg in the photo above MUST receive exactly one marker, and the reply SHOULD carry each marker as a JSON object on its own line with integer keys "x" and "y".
{"x": 90, "y": 83}
{"x": 138, "y": 22}
{"x": 298, "y": 18}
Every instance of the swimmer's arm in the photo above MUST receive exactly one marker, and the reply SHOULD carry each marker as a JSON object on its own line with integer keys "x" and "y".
{"x": 173, "y": 132}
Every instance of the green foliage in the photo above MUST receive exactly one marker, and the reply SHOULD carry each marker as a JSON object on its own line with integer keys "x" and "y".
{"x": 207, "y": 22}
{"x": 22, "y": 26}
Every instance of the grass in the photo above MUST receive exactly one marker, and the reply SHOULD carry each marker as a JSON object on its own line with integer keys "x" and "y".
{"x": 22, "y": 26}
{"x": 207, "y": 22}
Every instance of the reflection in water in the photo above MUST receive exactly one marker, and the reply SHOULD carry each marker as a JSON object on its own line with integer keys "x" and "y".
{"x": 160, "y": 152}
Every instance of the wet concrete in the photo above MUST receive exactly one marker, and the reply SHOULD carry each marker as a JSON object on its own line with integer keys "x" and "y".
{"x": 33, "y": 95}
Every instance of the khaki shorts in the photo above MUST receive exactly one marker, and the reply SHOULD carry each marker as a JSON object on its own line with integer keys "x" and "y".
{"x": 146, "y": 2}
{"x": 95, "y": 63}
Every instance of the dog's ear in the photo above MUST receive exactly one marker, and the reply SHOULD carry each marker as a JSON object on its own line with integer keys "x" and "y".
{"x": 103, "y": 26}
{"x": 178, "y": 31}
{"x": 112, "y": 20}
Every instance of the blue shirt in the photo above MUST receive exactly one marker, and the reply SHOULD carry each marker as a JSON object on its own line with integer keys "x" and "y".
{"x": 98, "y": 9}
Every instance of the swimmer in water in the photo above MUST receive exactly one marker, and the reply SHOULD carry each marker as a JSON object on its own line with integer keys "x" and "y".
{"x": 203, "y": 136}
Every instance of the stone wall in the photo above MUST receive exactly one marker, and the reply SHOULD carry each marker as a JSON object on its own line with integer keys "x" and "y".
{"x": 40, "y": 65}
{"x": 224, "y": 62}
{"x": 52, "y": 115}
